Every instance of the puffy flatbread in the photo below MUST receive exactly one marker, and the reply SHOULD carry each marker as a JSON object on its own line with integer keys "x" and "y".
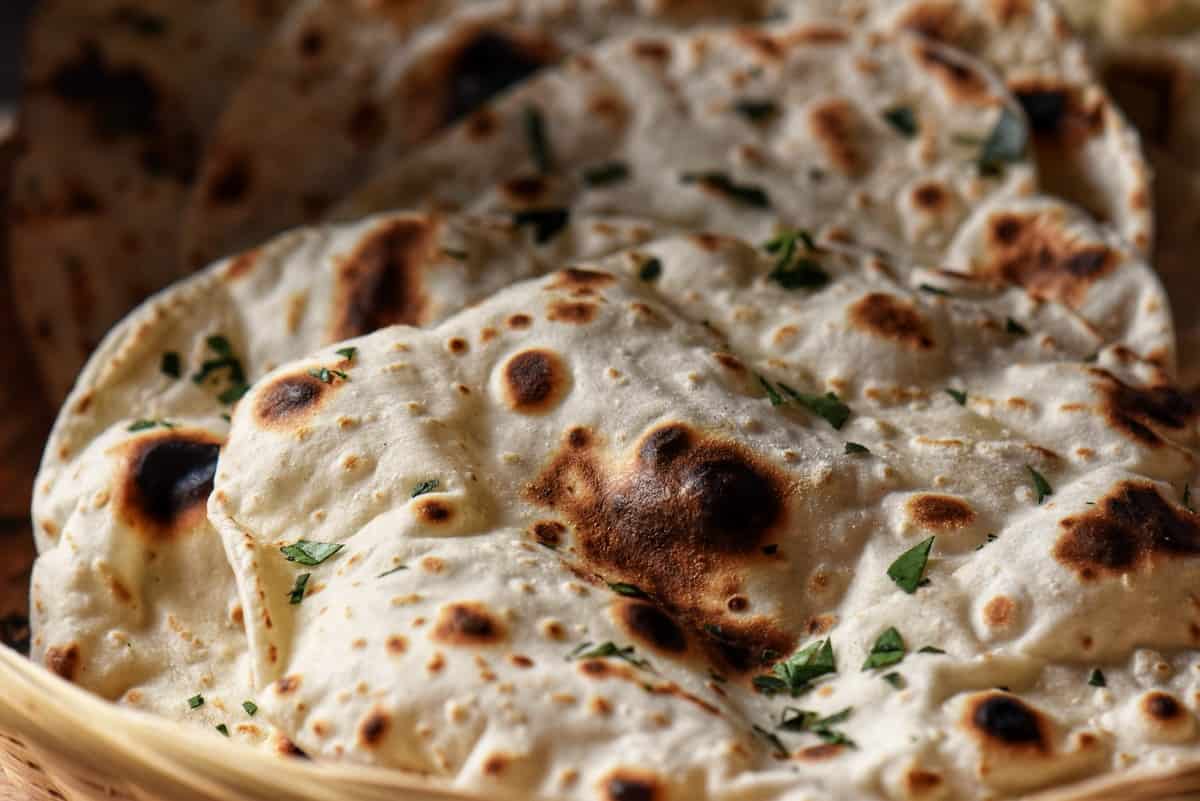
{"x": 365, "y": 86}
{"x": 132, "y": 596}
{"x": 119, "y": 97}
{"x": 585, "y": 525}
{"x": 352, "y": 82}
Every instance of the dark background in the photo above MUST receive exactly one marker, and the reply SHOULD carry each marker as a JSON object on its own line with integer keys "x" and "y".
{"x": 12, "y": 20}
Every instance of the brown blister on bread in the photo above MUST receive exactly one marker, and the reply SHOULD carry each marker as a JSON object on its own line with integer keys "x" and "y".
{"x": 676, "y": 522}
{"x": 467, "y": 624}
{"x": 651, "y": 626}
{"x": 63, "y": 660}
{"x": 380, "y": 283}
{"x": 163, "y": 486}
{"x": 290, "y": 400}
{"x": 535, "y": 381}
{"x": 940, "y": 512}
{"x": 886, "y": 316}
{"x": 1132, "y": 528}
{"x": 1138, "y": 411}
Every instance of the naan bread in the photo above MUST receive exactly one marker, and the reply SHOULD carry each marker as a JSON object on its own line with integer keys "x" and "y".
{"x": 132, "y": 595}
{"x": 578, "y": 519}
{"x": 350, "y": 83}
{"x": 366, "y": 84}
{"x": 119, "y": 97}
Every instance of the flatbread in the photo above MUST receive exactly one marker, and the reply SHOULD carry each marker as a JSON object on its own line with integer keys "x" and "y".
{"x": 615, "y": 462}
{"x": 132, "y": 595}
{"x": 365, "y": 86}
{"x": 119, "y": 97}
{"x": 351, "y": 82}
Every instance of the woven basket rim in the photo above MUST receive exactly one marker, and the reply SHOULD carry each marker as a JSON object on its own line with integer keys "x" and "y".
{"x": 142, "y": 749}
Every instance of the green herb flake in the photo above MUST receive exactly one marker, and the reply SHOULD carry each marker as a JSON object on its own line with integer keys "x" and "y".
{"x": 425, "y": 487}
{"x": 1040, "y": 484}
{"x": 990, "y": 539}
{"x": 930, "y": 649}
{"x": 347, "y": 353}
{"x": 888, "y": 650}
{"x": 142, "y": 425}
{"x": 539, "y": 143}
{"x": 609, "y": 649}
{"x": 908, "y": 570}
{"x": 310, "y": 553}
{"x": 221, "y": 727}
{"x": 903, "y": 120}
{"x": 1015, "y": 328}
{"x": 854, "y": 449}
{"x": 895, "y": 679}
{"x": 234, "y": 394}
{"x": 802, "y": 720}
{"x": 795, "y": 674}
{"x": 250, "y": 707}
{"x": 395, "y": 569}
{"x": 959, "y": 395}
{"x": 627, "y": 590}
{"x": 1097, "y": 678}
{"x": 793, "y": 270}
{"x": 772, "y": 739}
{"x": 757, "y": 110}
{"x": 650, "y": 270}
{"x": 935, "y": 290}
{"x": 546, "y": 223}
{"x": 195, "y": 702}
{"x": 606, "y": 174}
{"x": 772, "y": 394}
{"x": 225, "y": 360}
{"x": 296, "y": 596}
{"x": 171, "y": 364}
{"x": 746, "y": 194}
{"x": 828, "y": 406}
{"x": 1006, "y": 144}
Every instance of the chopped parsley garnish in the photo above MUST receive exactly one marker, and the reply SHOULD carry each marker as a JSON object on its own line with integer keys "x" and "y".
{"x": 935, "y": 290}
{"x": 1097, "y": 678}
{"x": 854, "y": 449}
{"x": 297, "y": 593}
{"x": 221, "y": 727}
{"x": 929, "y": 649}
{"x": 395, "y": 569}
{"x": 1006, "y": 143}
{"x": 143, "y": 425}
{"x": 888, "y": 650}
{"x": 794, "y": 675}
{"x": 746, "y": 194}
{"x": 772, "y": 393}
{"x": 171, "y": 365}
{"x": 1044, "y": 490}
{"x": 895, "y": 679}
{"x": 828, "y": 406}
{"x": 250, "y": 707}
{"x": 1015, "y": 328}
{"x": 609, "y": 649}
{"x": 908, "y": 570}
{"x": 425, "y": 487}
{"x": 347, "y": 353}
{"x": 959, "y": 395}
{"x": 539, "y": 145}
{"x": 792, "y": 269}
{"x": 903, "y": 120}
{"x": 650, "y": 270}
{"x": 628, "y": 590}
{"x": 773, "y": 739}
{"x": 802, "y": 720}
{"x": 546, "y": 223}
{"x": 225, "y": 360}
{"x": 310, "y": 553}
{"x": 757, "y": 110}
{"x": 326, "y": 376}
{"x": 195, "y": 702}
{"x": 604, "y": 174}
{"x": 990, "y": 539}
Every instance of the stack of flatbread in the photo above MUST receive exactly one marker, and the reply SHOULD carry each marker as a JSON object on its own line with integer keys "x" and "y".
{"x": 631, "y": 401}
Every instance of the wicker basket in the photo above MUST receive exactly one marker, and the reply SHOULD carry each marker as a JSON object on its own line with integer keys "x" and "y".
{"x": 59, "y": 742}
